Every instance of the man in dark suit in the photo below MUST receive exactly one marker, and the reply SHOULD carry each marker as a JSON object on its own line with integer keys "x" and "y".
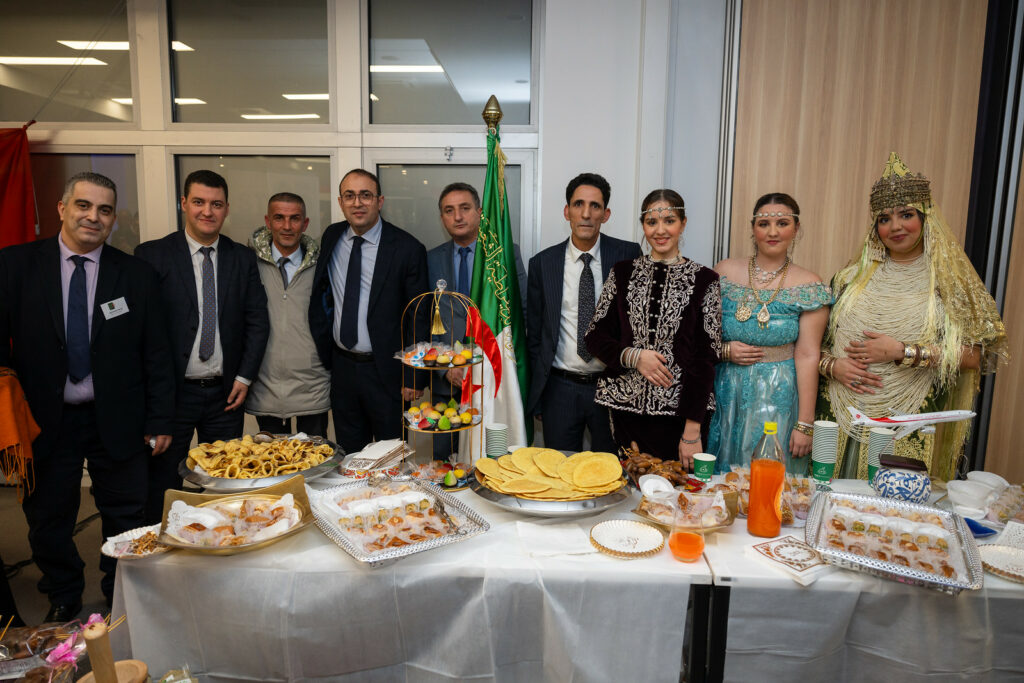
{"x": 368, "y": 271}
{"x": 82, "y": 325}
{"x": 452, "y": 262}
{"x": 564, "y": 284}
{"x": 216, "y": 310}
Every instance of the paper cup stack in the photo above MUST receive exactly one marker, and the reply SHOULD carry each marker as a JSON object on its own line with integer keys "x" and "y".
{"x": 879, "y": 442}
{"x": 496, "y": 439}
{"x": 824, "y": 447}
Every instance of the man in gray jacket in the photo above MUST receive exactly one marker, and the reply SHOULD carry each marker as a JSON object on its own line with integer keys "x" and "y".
{"x": 292, "y": 381}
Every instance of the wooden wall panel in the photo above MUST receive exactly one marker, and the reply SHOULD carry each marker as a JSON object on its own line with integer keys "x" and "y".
{"x": 828, "y": 87}
{"x": 1003, "y": 455}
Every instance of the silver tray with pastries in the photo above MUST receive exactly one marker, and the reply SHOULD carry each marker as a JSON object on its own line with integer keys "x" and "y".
{"x": 188, "y": 472}
{"x": 963, "y": 552}
{"x": 467, "y": 522}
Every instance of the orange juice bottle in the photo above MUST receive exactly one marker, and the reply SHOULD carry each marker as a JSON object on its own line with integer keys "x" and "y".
{"x": 767, "y": 474}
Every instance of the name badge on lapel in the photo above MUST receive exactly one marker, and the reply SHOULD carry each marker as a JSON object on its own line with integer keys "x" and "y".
{"x": 114, "y": 308}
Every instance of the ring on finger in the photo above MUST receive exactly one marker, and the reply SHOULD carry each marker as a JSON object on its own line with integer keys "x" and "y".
{"x": 855, "y": 383}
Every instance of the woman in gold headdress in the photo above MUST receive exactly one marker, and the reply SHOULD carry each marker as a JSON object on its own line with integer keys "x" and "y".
{"x": 911, "y": 329}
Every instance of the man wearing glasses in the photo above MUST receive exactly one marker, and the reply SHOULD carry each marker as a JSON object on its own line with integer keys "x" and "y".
{"x": 368, "y": 271}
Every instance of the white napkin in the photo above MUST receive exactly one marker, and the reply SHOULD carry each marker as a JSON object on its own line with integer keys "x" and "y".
{"x": 1012, "y": 535}
{"x": 804, "y": 572}
{"x": 545, "y": 540}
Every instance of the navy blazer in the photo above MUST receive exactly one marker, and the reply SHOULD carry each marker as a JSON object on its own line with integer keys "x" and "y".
{"x": 544, "y": 306}
{"x": 130, "y": 357}
{"x": 241, "y": 304}
{"x": 399, "y": 275}
{"x": 440, "y": 267}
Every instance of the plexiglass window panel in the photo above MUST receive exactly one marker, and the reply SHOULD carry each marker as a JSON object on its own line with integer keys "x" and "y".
{"x": 438, "y": 62}
{"x": 252, "y": 180}
{"x": 411, "y": 192}
{"x": 250, "y": 62}
{"x": 51, "y": 171}
{"x": 40, "y": 43}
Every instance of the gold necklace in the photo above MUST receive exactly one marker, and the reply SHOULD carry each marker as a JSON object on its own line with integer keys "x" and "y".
{"x": 743, "y": 311}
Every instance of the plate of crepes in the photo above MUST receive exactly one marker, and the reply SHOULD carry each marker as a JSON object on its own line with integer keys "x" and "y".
{"x": 255, "y": 462}
{"x": 906, "y": 542}
{"x": 547, "y": 483}
{"x": 796, "y": 495}
{"x": 380, "y": 521}
{"x": 135, "y": 544}
{"x": 229, "y": 524}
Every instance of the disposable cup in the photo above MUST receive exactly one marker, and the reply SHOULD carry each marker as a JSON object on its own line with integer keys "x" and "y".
{"x": 822, "y": 471}
{"x": 703, "y": 466}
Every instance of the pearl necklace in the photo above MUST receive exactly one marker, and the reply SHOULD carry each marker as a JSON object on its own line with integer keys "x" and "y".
{"x": 767, "y": 276}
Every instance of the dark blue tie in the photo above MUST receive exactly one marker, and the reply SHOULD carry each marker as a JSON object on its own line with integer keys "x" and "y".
{"x": 350, "y": 307}
{"x": 79, "y": 366}
{"x": 586, "y": 307}
{"x": 464, "y": 283}
{"x": 208, "y": 331}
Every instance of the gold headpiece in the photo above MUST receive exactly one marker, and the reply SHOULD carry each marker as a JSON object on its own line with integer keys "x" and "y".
{"x": 776, "y": 214}
{"x": 899, "y": 187}
{"x": 661, "y": 209}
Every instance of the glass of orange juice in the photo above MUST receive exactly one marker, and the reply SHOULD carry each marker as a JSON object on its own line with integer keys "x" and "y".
{"x": 686, "y": 540}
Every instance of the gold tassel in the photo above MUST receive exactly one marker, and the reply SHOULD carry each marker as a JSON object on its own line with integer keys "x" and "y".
{"x": 437, "y": 327}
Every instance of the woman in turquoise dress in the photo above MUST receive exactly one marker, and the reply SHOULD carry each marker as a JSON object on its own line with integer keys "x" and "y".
{"x": 774, "y": 314}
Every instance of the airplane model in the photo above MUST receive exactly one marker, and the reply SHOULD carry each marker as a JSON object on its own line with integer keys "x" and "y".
{"x": 907, "y": 424}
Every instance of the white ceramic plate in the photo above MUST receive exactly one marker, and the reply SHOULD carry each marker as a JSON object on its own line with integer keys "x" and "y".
{"x": 626, "y": 539}
{"x": 1003, "y": 560}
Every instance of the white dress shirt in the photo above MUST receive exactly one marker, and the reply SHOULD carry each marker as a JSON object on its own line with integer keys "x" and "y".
{"x": 566, "y": 356}
{"x": 214, "y": 365}
{"x": 339, "y": 273}
{"x": 83, "y": 391}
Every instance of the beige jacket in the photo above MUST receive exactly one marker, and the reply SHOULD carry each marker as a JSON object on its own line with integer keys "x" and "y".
{"x": 292, "y": 381}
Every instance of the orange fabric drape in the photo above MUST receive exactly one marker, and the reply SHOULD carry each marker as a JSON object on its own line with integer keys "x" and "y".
{"x": 17, "y": 432}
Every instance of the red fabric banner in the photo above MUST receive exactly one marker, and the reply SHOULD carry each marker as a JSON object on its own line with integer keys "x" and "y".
{"x": 484, "y": 337}
{"x": 17, "y": 200}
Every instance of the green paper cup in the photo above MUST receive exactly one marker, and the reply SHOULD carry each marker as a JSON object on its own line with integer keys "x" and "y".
{"x": 872, "y": 471}
{"x": 822, "y": 471}
{"x": 703, "y": 466}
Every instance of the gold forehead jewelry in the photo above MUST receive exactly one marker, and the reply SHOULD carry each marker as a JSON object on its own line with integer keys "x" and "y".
{"x": 899, "y": 187}
{"x": 659, "y": 209}
{"x": 774, "y": 214}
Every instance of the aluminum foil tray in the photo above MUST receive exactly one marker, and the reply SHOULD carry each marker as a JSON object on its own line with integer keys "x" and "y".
{"x": 963, "y": 545}
{"x": 469, "y": 520}
{"x": 225, "y": 485}
{"x": 549, "y": 508}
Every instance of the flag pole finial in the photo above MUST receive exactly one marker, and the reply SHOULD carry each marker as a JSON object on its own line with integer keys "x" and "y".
{"x": 492, "y": 112}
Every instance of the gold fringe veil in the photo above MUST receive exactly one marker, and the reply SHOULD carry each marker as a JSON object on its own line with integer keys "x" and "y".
{"x": 969, "y": 318}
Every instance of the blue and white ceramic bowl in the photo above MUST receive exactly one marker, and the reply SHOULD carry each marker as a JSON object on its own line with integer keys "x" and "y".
{"x": 913, "y": 487}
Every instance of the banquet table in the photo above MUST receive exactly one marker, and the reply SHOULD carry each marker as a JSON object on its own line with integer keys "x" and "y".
{"x": 850, "y": 626}
{"x": 482, "y": 609}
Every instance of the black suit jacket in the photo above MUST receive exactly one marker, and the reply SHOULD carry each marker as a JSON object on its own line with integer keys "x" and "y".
{"x": 241, "y": 304}
{"x": 399, "y": 275}
{"x": 130, "y": 356}
{"x": 544, "y": 306}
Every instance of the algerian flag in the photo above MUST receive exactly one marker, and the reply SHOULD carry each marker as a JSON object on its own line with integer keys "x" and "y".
{"x": 496, "y": 292}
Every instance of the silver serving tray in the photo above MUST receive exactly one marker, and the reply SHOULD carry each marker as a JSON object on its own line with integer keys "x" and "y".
{"x": 225, "y": 485}
{"x": 471, "y": 523}
{"x": 814, "y": 534}
{"x": 549, "y": 508}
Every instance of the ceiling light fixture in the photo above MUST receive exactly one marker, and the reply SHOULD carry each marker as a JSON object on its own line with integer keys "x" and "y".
{"x": 374, "y": 98}
{"x": 51, "y": 61}
{"x": 115, "y": 45}
{"x": 276, "y": 117}
{"x": 188, "y": 100}
{"x": 406, "y": 69}
{"x": 122, "y": 100}
{"x": 306, "y": 96}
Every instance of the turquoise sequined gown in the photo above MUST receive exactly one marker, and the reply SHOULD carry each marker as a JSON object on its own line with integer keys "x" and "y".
{"x": 747, "y": 396}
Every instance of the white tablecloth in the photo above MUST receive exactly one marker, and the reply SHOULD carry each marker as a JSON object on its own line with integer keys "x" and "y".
{"x": 483, "y": 609}
{"x": 850, "y": 626}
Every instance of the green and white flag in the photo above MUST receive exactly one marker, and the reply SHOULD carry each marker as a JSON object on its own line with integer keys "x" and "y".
{"x": 496, "y": 293}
